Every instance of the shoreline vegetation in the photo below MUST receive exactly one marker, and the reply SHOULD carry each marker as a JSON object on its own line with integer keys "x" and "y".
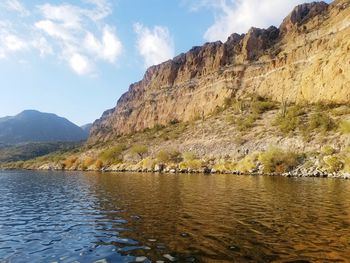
{"x": 254, "y": 136}
{"x": 313, "y": 173}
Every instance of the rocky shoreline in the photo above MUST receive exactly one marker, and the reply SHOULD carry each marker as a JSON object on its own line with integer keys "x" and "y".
{"x": 312, "y": 173}
{"x": 315, "y": 173}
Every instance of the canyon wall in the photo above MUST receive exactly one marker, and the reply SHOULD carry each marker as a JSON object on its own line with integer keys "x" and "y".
{"x": 306, "y": 59}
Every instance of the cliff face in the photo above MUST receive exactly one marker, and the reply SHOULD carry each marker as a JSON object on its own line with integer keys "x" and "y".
{"x": 306, "y": 59}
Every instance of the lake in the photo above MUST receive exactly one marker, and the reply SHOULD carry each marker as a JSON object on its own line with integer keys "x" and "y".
{"x": 94, "y": 217}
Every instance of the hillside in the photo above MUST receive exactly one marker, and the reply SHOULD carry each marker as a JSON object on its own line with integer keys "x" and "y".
{"x": 306, "y": 59}
{"x": 35, "y": 126}
{"x": 23, "y": 152}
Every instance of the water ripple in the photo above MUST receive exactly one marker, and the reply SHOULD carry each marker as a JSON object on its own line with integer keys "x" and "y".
{"x": 88, "y": 217}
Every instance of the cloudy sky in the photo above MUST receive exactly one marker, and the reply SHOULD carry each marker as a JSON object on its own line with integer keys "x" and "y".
{"x": 75, "y": 58}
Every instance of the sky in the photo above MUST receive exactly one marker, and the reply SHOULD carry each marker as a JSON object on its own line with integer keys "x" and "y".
{"x": 76, "y": 58}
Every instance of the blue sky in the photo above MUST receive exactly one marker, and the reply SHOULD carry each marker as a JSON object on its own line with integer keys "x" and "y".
{"x": 75, "y": 58}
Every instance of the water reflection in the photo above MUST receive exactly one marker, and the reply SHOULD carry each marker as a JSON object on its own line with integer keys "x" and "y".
{"x": 189, "y": 218}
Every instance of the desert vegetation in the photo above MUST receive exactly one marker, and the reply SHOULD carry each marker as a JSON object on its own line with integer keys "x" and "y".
{"x": 240, "y": 137}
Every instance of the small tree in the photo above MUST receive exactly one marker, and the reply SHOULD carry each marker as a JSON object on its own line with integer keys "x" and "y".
{"x": 113, "y": 154}
{"x": 139, "y": 150}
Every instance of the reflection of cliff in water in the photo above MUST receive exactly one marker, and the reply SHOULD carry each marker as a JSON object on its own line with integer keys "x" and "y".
{"x": 225, "y": 217}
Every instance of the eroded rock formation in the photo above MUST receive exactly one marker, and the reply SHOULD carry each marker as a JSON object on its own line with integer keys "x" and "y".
{"x": 306, "y": 59}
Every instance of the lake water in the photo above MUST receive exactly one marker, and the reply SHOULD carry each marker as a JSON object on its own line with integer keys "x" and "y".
{"x": 89, "y": 217}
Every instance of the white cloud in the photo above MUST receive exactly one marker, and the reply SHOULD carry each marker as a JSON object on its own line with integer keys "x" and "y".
{"x": 154, "y": 45}
{"x": 102, "y": 9}
{"x": 76, "y": 34}
{"x": 67, "y": 15}
{"x": 80, "y": 64}
{"x": 10, "y": 42}
{"x": 237, "y": 16}
{"x": 43, "y": 46}
{"x": 16, "y": 6}
{"x": 13, "y": 43}
{"x": 108, "y": 49}
{"x": 55, "y": 30}
{"x": 69, "y": 28}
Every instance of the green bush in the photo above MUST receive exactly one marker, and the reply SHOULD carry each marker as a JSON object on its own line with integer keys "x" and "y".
{"x": 279, "y": 161}
{"x": 166, "y": 156}
{"x": 224, "y": 165}
{"x": 246, "y": 122}
{"x": 328, "y": 150}
{"x": 289, "y": 119}
{"x": 346, "y": 159}
{"x": 334, "y": 163}
{"x": 190, "y": 161}
{"x": 113, "y": 154}
{"x": 261, "y": 106}
{"x": 321, "y": 121}
{"x": 139, "y": 150}
{"x": 246, "y": 164}
{"x": 189, "y": 156}
{"x": 191, "y": 164}
{"x": 344, "y": 127}
{"x": 148, "y": 163}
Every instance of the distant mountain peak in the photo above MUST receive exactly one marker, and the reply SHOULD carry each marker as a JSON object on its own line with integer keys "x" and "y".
{"x": 35, "y": 126}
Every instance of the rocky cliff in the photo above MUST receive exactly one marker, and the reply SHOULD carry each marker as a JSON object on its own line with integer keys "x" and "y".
{"x": 306, "y": 59}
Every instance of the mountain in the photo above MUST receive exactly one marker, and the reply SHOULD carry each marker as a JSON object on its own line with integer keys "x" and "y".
{"x": 86, "y": 128}
{"x": 35, "y": 126}
{"x": 305, "y": 60}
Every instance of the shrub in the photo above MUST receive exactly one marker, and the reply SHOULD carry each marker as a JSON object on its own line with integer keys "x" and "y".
{"x": 321, "y": 121}
{"x": 98, "y": 164}
{"x": 334, "y": 163}
{"x": 69, "y": 162}
{"x": 166, "y": 156}
{"x": 224, "y": 165}
{"x": 113, "y": 154}
{"x": 190, "y": 161}
{"x": 189, "y": 156}
{"x": 217, "y": 110}
{"x": 139, "y": 150}
{"x": 279, "y": 161}
{"x": 239, "y": 106}
{"x": 328, "y": 150}
{"x": 88, "y": 162}
{"x": 343, "y": 110}
{"x": 289, "y": 120}
{"x": 347, "y": 163}
{"x": 247, "y": 164}
{"x": 244, "y": 123}
{"x": 191, "y": 164}
{"x": 158, "y": 127}
{"x": 148, "y": 163}
{"x": 344, "y": 127}
{"x": 261, "y": 106}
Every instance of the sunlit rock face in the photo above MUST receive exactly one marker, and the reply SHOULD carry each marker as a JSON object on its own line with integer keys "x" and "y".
{"x": 306, "y": 59}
